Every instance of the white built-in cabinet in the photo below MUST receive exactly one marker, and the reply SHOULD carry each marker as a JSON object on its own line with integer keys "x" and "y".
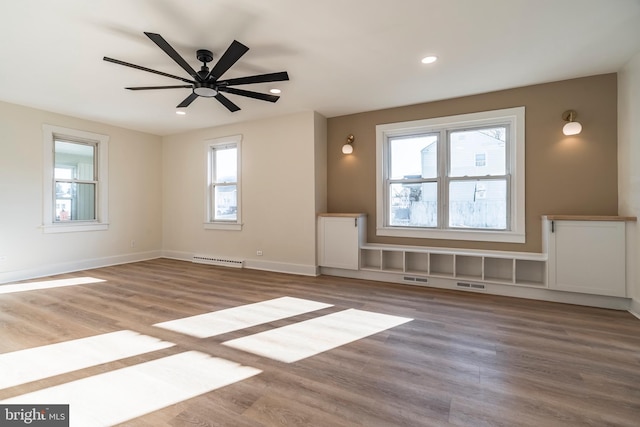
{"x": 339, "y": 239}
{"x": 587, "y": 254}
{"x": 341, "y": 244}
{"x": 583, "y": 254}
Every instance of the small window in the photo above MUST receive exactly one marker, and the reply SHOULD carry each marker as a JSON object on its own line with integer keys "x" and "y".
{"x": 481, "y": 159}
{"x": 223, "y": 183}
{"x": 75, "y": 180}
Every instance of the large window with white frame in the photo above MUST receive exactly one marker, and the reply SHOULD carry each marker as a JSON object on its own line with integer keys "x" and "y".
{"x": 75, "y": 180}
{"x": 223, "y": 207}
{"x": 457, "y": 177}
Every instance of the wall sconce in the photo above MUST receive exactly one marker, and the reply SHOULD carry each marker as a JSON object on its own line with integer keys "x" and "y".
{"x": 347, "y": 148}
{"x": 571, "y": 127}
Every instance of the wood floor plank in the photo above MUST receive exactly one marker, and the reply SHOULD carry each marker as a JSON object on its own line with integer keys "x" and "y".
{"x": 466, "y": 359}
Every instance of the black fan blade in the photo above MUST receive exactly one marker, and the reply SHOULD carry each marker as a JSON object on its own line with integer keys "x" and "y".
{"x": 162, "y": 44}
{"x": 262, "y": 78}
{"x": 230, "y": 57}
{"x": 227, "y": 103}
{"x": 188, "y": 100}
{"x": 255, "y": 95}
{"x": 138, "y": 67}
{"x": 159, "y": 87}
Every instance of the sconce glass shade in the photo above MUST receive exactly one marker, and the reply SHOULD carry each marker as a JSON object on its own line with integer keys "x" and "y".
{"x": 572, "y": 128}
{"x": 347, "y": 149}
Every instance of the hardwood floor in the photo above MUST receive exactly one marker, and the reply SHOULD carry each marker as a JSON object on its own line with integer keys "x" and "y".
{"x": 465, "y": 359}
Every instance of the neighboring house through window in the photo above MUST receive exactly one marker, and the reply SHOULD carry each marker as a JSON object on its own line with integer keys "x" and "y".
{"x": 75, "y": 180}
{"x": 223, "y": 183}
{"x": 481, "y": 159}
{"x": 458, "y": 177}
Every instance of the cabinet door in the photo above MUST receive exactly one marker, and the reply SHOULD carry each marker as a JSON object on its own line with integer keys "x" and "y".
{"x": 588, "y": 257}
{"x": 338, "y": 242}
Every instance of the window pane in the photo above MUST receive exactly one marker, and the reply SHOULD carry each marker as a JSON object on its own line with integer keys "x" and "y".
{"x": 226, "y": 202}
{"x": 478, "y": 204}
{"x": 226, "y": 165}
{"x": 64, "y": 173}
{"x": 63, "y": 209}
{"x": 478, "y": 152}
{"x": 75, "y": 202}
{"x": 414, "y": 157}
{"x": 74, "y": 161}
{"x": 414, "y": 205}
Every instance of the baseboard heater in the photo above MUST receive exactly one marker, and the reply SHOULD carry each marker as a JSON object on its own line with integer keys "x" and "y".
{"x": 220, "y": 261}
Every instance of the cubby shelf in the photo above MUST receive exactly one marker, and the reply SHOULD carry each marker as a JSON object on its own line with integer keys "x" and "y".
{"x": 505, "y": 268}
{"x": 567, "y": 243}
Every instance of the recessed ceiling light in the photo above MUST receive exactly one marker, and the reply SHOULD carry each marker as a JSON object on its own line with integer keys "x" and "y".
{"x": 181, "y": 113}
{"x": 429, "y": 59}
{"x": 275, "y": 91}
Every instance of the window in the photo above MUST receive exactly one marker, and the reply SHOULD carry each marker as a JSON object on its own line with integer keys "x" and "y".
{"x": 223, "y": 183}
{"x": 75, "y": 180}
{"x": 458, "y": 177}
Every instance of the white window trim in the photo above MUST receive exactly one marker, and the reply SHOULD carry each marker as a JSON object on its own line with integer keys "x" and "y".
{"x": 102, "y": 222}
{"x": 222, "y": 225}
{"x": 516, "y": 233}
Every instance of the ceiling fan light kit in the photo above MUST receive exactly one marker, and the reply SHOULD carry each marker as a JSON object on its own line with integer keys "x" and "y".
{"x": 206, "y": 83}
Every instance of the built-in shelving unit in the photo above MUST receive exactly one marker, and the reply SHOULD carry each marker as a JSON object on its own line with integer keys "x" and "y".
{"x": 585, "y": 260}
{"x": 507, "y": 268}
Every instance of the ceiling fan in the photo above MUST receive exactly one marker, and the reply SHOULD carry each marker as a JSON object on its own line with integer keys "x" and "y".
{"x": 205, "y": 82}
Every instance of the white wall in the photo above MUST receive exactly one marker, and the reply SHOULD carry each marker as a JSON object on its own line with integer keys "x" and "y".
{"x": 280, "y": 188}
{"x": 629, "y": 159}
{"x": 135, "y": 195}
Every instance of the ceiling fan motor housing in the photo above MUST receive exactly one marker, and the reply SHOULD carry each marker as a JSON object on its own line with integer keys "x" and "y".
{"x": 206, "y": 89}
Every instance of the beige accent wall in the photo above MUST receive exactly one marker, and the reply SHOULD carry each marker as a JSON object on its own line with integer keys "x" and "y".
{"x": 135, "y": 195}
{"x": 282, "y": 192}
{"x": 564, "y": 175}
{"x": 629, "y": 161}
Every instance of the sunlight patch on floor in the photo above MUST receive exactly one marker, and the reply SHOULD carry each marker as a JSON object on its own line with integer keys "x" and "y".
{"x": 236, "y": 318}
{"x": 124, "y": 394}
{"x": 47, "y": 284}
{"x": 304, "y": 339}
{"x": 23, "y": 366}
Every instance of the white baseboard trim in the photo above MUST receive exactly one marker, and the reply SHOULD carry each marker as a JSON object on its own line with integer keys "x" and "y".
{"x": 635, "y": 308}
{"x": 282, "y": 267}
{"x": 77, "y": 265}
{"x": 253, "y": 264}
{"x": 181, "y": 256}
{"x": 543, "y": 294}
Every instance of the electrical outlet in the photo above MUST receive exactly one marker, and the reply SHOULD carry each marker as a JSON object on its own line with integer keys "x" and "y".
{"x": 3, "y": 258}
{"x": 133, "y": 243}
{"x": 259, "y": 253}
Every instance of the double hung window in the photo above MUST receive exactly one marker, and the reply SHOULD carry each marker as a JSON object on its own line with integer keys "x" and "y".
{"x": 75, "y": 180}
{"x": 459, "y": 177}
{"x": 223, "y": 183}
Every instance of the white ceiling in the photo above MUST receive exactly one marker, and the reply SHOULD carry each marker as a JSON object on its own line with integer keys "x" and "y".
{"x": 343, "y": 56}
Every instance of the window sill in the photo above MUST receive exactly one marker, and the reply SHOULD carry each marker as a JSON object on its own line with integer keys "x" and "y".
{"x": 73, "y": 228}
{"x": 473, "y": 235}
{"x": 234, "y": 226}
